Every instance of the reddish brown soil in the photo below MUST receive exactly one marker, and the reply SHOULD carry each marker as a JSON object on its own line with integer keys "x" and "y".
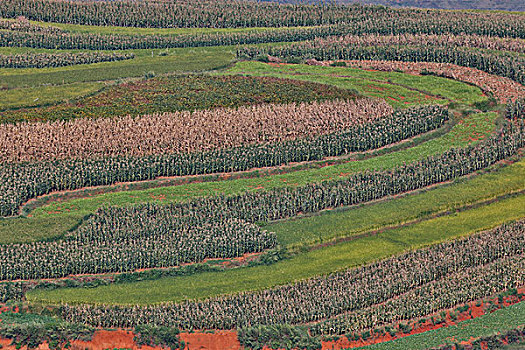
{"x": 221, "y": 340}
{"x": 109, "y": 340}
{"x": 121, "y": 339}
{"x": 473, "y": 312}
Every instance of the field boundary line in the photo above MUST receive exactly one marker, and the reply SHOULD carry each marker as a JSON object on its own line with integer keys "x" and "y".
{"x": 159, "y": 182}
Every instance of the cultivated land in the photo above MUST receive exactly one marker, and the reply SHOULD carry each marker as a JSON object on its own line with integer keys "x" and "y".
{"x": 55, "y": 218}
{"x": 500, "y": 321}
{"x": 248, "y": 230}
{"x": 305, "y": 265}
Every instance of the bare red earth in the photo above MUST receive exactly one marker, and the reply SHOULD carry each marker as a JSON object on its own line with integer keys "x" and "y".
{"x": 121, "y": 339}
{"x": 221, "y": 340}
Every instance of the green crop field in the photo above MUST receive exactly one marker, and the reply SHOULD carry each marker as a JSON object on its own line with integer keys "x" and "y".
{"x": 178, "y": 61}
{"x": 447, "y": 198}
{"x": 301, "y": 266}
{"x": 199, "y": 166}
{"x": 397, "y": 88}
{"x": 46, "y": 221}
{"x": 175, "y": 93}
{"x": 44, "y": 95}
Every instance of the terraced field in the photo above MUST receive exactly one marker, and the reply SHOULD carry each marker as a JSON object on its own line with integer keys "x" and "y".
{"x": 298, "y": 180}
{"x": 498, "y": 322}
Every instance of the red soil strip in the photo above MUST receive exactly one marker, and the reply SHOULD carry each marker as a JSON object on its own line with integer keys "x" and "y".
{"x": 277, "y": 64}
{"x": 221, "y": 340}
{"x": 101, "y": 340}
{"x": 122, "y": 339}
{"x": 110, "y": 340}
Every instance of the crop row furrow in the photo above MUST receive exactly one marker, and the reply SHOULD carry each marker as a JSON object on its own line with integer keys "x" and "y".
{"x": 20, "y": 182}
{"x": 184, "y": 132}
{"x": 132, "y": 224}
{"x": 231, "y": 14}
{"x": 498, "y": 252}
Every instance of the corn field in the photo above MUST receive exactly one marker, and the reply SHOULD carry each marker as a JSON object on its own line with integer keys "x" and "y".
{"x": 50, "y": 60}
{"x": 516, "y": 109}
{"x": 225, "y": 122}
{"x": 22, "y": 24}
{"x": 446, "y": 40}
{"x": 184, "y": 132}
{"x": 358, "y": 188}
{"x": 235, "y": 14}
{"x": 128, "y": 238}
{"x": 20, "y": 182}
{"x": 465, "y": 269}
{"x": 468, "y": 284}
{"x": 127, "y": 244}
{"x": 55, "y": 38}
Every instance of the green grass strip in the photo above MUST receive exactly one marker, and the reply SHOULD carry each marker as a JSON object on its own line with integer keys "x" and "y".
{"x": 341, "y": 224}
{"x": 58, "y": 217}
{"x": 473, "y": 127}
{"x": 45, "y": 95}
{"x": 301, "y": 266}
{"x": 500, "y": 321}
{"x": 178, "y": 60}
{"x": 372, "y": 83}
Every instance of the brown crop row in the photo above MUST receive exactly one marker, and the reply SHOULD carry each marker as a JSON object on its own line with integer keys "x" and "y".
{"x": 474, "y": 41}
{"x": 502, "y": 88}
{"x": 22, "y": 24}
{"x": 182, "y": 132}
